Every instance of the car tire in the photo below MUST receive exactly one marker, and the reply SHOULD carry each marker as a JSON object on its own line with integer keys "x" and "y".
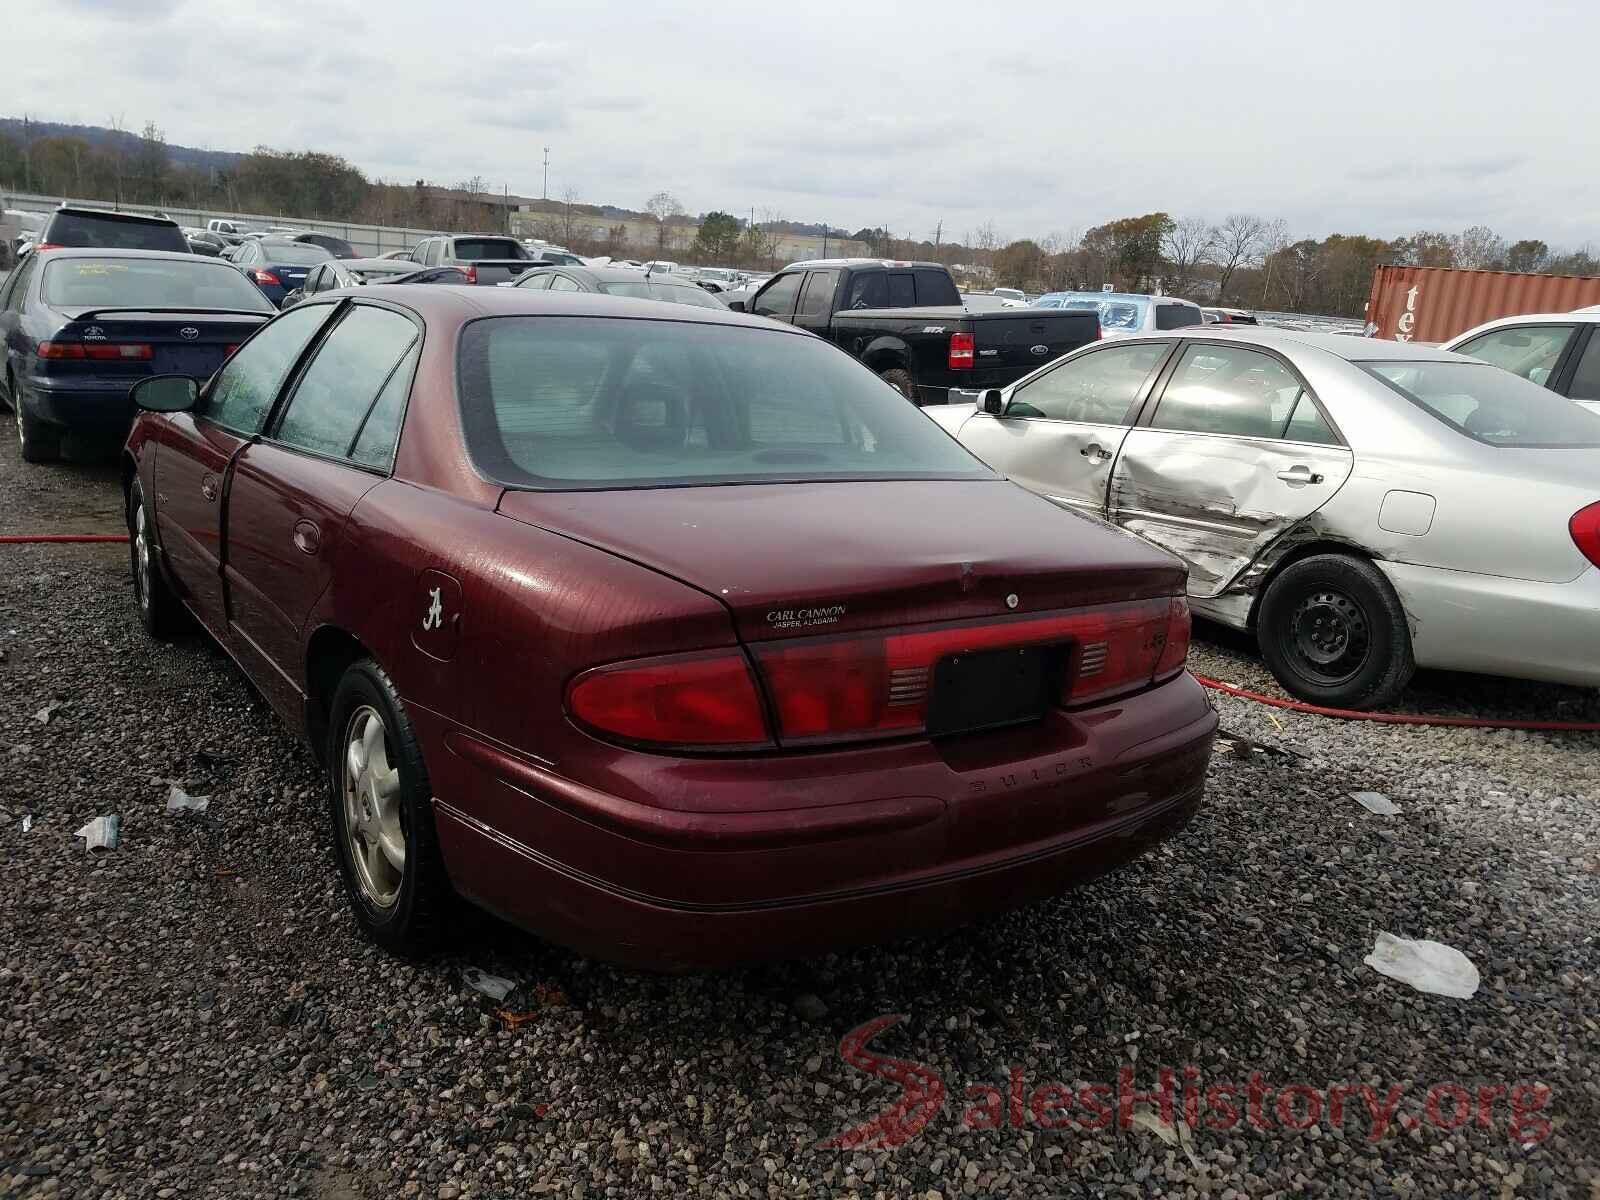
{"x": 381, "y": 808}
{"x": 39, "y": 441}
{"x": 901, "y": 382}
{"x": 160, "y": 611}
{"x": 1334, "y": 633}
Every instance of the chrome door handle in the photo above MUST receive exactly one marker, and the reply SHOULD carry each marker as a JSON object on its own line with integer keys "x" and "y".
{"x": 1299, "y": 474}
{"x": 1095, "y": 452}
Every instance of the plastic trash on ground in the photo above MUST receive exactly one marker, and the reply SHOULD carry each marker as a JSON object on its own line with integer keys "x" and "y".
{"x": 1376, "y": 802}
{"x": 178, "y": 800}
{"x": 102, "y": 833}
{"x": 492, "y": 986}
{"x": 1430, "y": 967}
{"x": 27, "y": 822}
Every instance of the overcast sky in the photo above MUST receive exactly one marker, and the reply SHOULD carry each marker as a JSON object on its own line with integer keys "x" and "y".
{"x": 1358, "y": 116}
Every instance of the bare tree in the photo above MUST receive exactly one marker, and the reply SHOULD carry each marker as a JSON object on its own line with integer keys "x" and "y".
{"x": 569, "y": 205}
{"x": 1480, "y": 248}
{"x": 1274, "y": 240}
{"x": 663, "y": 206}
{"x": 1236, "y": 243}
{"x": 1186, "y": 245}
{"x": 984, "y": 241}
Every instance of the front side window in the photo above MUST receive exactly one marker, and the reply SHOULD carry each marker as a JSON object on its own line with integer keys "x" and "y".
{"x": 1228, "y": 389}
{"x": 580, "y": 402}
{"x": 1531, "y": 351}
{"x": 249, "y": 382}
{"x": 1489, "y": 405}
{"x": 1586, "y": 383}
{"x": 779, "y": 297}
{"x": 351, "y": 367}
{"x": 1098, "y": 388}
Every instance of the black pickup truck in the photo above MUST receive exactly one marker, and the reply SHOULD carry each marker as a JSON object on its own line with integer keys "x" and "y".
{"x": 905, "y": 320}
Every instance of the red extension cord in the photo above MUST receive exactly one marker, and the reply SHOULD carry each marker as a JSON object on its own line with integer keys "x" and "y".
{"x": 1342, "y": 714}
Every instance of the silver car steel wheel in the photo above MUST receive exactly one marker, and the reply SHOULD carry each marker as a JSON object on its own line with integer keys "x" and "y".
{"x": 141, "y": 558}
{"x": 372, "y": 820}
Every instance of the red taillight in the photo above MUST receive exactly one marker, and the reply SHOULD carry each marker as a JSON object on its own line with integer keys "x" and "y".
{"x": 60, "y": 350}
{"x": 1585, "y": 530}
{"x": 118, "y": 351}
{"x": 471, "y": 272}
{"x": 264, "y": 277}
{"x": 227, "y": 351}
{"x": 961, "y": 351}
{"x": 1176, "y": 651}
{"x": 702, "y": 701}
{"x": 876, "y": 685}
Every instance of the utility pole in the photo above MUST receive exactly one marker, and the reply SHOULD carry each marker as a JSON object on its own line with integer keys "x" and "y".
{"x": 546, "y": 194}
{"x": 824, "y": 239}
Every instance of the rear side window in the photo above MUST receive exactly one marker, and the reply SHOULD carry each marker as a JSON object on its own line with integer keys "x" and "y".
{"x": 1177, "y": 316}
{"x": 477, "y": 249}
{"x": 1228, "y": 389}
{"x": 109, "y": 231}
{"x": 331, "y": 401}
{"x": 868, "y": 290}
{"x": 902, "y": 292}
{"x": 249, "y": 381}
{"x": 818, "y": 298}
{"x": 1307, "y": 424}
{"x": 934, "y": 288}
{"x": 1531, "y": 351}
{"x": 1489, "y": 405}
{"x": 375, "y": 443}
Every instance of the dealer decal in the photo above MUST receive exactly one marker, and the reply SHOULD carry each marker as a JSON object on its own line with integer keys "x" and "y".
{"x": 799, "y": 618}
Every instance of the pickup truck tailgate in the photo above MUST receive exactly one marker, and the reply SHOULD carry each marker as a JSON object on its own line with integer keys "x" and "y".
{"x": 500, "y": 270}
{"x": 1012, "y": 343}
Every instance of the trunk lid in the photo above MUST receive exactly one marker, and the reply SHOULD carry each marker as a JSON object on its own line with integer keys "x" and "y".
{"x": 181, "y": 341}
{"x": 801, "y": 559}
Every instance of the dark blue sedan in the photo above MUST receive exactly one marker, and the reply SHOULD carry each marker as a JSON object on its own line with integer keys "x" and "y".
{"x": 81, "y": 326}
{"x": 277, "y": 266}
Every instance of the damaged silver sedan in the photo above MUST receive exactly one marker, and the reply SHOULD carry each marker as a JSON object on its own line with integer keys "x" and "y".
{"x": 1365, "y": 507}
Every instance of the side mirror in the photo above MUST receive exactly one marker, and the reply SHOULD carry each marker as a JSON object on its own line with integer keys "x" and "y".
{"x": 737, "y": 306}
{"x": 991, "y": 402}
{"x": 166, "y": 393}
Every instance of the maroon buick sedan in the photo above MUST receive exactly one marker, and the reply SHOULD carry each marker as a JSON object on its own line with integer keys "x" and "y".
{"x": 671, "y": 634}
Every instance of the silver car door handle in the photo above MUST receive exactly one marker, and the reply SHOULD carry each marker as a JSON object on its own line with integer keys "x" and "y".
{"x": 1095, "y": 452}
{"x": 1299, "y": 474}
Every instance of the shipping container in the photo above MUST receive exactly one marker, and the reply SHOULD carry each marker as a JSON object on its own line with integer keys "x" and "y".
{"x": 1433, "y": 304}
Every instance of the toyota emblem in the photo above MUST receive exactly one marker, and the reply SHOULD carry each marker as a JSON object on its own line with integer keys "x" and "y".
{"x": 188, "y": 333}
{"x": 1039, "y": 350}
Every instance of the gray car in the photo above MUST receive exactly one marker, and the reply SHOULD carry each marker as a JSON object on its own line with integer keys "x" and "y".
{"x": 1363, "y": 506}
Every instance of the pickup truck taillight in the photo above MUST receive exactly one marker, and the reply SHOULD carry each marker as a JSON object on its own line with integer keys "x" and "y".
{"x": 961, "y": 352}
{"x": 471, "y": 272}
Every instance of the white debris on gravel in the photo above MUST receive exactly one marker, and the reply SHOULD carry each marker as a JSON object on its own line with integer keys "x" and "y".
{"x": 1430, "y": 967}
{"x": 179, "y": 800}
{"x": 1376, "y": 802}
{"x": 102, "y": 833}
{"x": 492, "y": 986}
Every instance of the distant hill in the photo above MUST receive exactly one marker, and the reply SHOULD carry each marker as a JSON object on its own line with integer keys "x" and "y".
{"x": 101, "y": 137}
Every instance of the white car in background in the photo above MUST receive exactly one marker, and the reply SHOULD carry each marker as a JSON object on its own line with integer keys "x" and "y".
{"x": 1559, "y": 351}
{"x": 1124, "y": 314}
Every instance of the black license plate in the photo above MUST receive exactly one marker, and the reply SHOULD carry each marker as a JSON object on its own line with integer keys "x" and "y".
{"x": 989, "y": 688}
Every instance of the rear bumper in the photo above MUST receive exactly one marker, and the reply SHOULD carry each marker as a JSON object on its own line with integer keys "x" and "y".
{"x": 890, "y": 840}
{"x": 1462, "y": 621}
{"x": 88, "y": 406}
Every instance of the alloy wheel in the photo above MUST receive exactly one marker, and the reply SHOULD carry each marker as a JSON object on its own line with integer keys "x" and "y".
{"x": 374, "y": 829}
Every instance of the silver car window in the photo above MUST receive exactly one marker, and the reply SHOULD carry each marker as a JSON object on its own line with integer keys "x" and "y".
{"x": 1531, "y": 351}
{"x": 1098, "y": 388}
{"x": 1228, "y": 389}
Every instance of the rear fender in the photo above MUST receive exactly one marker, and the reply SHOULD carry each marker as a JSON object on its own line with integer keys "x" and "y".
{"x": 887, "y": 352}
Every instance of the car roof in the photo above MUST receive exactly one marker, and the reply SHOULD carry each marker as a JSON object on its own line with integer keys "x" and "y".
{"x": 448, "y": 303}
{"x": 862, "y": 262}
{"x": 398, "y": 265}
{"x": 83, "y": 210}
{"x": 1351, "y": 349}
{"x": 1126, "y": 296}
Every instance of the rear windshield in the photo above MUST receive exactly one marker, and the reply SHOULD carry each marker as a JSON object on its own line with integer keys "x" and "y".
{"x": 676, "y": 293}
{"x": 294, "y": 254}
{"x": 1489, "y": 405}
{"x": 474, "y": 249}
{"x": 157, "y": 283}
{"x": 113, "y": 232}
{"x": 1177, "y": 316}
{"x": 584, "y": 402}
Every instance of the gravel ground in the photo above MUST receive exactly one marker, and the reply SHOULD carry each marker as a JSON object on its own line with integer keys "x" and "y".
{"x": 193, "y": 1015}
